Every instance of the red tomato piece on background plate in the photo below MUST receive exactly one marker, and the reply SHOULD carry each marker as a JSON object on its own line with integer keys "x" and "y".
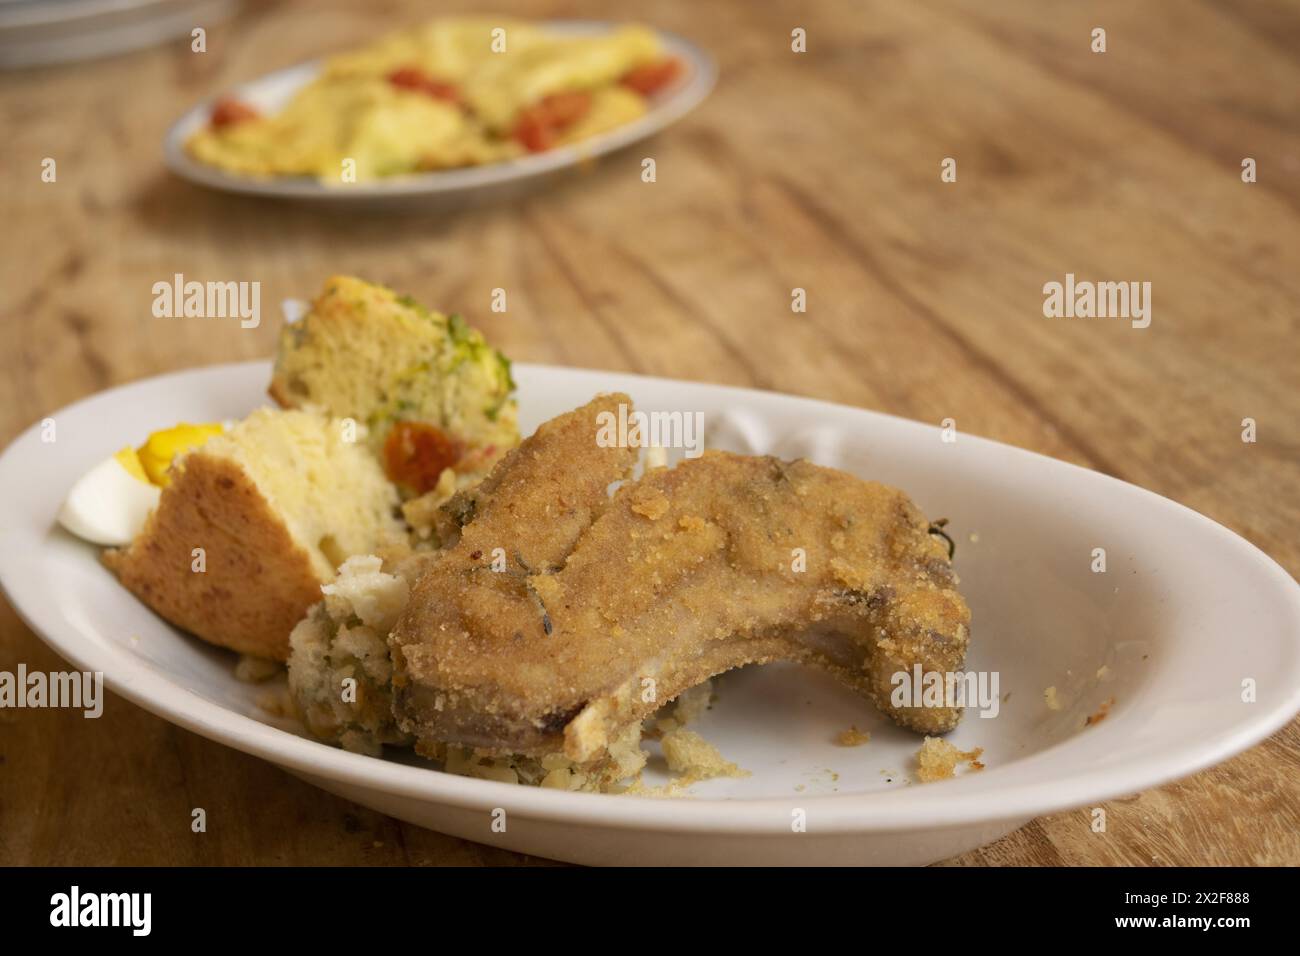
{"x": 652, "y": 77}
{"x": 414, "y": 79}
{"x": 228, "y": 111}
{"x": 537, "y": 125}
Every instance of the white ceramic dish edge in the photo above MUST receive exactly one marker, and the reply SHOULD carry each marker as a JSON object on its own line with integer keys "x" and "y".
{"x": 997, "y": 794}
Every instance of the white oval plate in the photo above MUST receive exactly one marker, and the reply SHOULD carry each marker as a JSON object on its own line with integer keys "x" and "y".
{"x": 1185, "y": 612}
{"x": 273, "y": 91}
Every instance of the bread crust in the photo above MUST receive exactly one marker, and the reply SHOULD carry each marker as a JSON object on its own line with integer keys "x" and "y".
{"x": 258, "y": 582}
{"x": 279, "y": 391}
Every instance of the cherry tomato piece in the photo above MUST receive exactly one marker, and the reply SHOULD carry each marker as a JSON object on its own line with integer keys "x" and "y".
{"x": 416, "y": 454}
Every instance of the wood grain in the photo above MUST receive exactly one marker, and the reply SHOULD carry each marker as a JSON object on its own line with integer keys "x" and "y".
{"x": 818, "y": 171}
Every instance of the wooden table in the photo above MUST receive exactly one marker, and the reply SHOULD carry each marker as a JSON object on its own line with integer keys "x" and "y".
{"x": 818, "y": 170}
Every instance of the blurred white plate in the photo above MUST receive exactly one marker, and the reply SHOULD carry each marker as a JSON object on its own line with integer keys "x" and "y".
{"x": 40, "y": 32}
{"x": 1185, "y": 612}
{"x": 272, "y": 91}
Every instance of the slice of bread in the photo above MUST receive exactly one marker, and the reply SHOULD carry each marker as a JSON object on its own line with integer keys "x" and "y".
{"x": 253, "y": 523}
{"x": 430, "y": 391}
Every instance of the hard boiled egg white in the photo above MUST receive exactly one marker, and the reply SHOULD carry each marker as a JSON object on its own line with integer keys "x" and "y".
{"x": 109, "y": 504}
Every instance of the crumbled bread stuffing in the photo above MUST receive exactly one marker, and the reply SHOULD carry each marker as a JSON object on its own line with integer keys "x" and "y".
{"x": 687, "y": 753}
{"x": 625, "y": 759}
{"x": 275, "y": 701}
{"x": 422, "y": 513}
{"x": 937, "y": 759}
{"x": 852, "y": 737}
{"x": 340, "y": 672}
{"x": 691, "y": 704}
{"x": 686, "y": 709}
{"x": 695, "y": 758}
{"x": 365, "y": 590}
{"x": 256, "y": 670}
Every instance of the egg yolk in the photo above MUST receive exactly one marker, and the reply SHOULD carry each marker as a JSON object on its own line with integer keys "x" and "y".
{"x": 129, "y": 460}
{"x": 161, "y": 448}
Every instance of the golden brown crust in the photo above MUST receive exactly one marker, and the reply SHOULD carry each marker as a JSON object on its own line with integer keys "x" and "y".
{"x": 279, "y": 392}
{"x": 257, "y": 583}
{"x": 722, "y": 561}
{"x": 526, "y": 515}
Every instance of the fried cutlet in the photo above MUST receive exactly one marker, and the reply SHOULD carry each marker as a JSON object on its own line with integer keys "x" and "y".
{"x": 527, "y": 515}
{"x": 605, "y": 609}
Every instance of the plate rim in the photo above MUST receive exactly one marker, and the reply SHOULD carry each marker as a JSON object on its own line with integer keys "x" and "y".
{"x": 700, "y": 83}
{"x": 938, "y": 805}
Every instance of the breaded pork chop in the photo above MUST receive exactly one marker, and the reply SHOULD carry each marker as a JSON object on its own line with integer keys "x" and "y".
{"x": 527, "y": 514}
{"x": 722, "y": 561}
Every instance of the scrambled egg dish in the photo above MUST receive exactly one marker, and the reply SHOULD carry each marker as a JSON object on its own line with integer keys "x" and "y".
{"x": 458, "y": 92}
